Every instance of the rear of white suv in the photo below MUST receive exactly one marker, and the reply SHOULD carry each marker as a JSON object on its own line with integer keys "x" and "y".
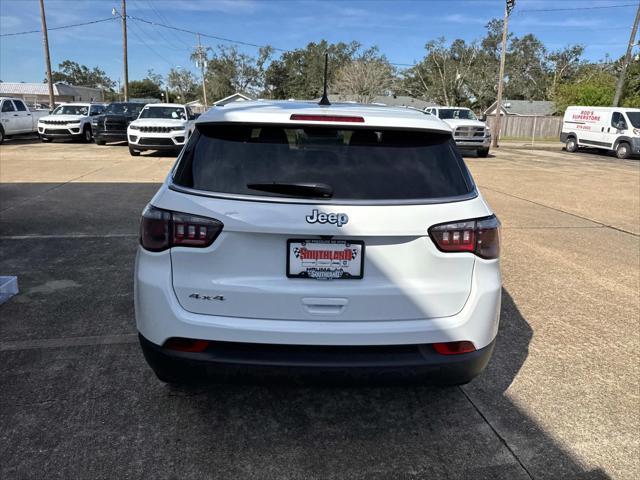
{"x": 333, "y": 238}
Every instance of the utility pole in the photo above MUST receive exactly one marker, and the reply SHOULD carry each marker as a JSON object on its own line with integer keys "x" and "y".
{"x": 124, "y": 47}
{"x": 45, "y": 41}
{"x": 627, "y": 59}
{"x": 503, "y": 54}
{"x": 202, "y": 59}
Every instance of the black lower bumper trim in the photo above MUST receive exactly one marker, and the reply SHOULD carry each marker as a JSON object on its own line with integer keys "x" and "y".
{"x": 175, "y": 148}
{"x": 111, "y": 137}
{"x": 292, "y": 363}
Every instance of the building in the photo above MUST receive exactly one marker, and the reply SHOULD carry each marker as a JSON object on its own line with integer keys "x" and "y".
{"x": 524, "y": 108}
{"x": 198, "y": 107}
{"x": 38, "y": 93}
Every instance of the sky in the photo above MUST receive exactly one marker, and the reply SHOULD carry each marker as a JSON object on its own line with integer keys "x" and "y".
{"x": 399, "y": 28}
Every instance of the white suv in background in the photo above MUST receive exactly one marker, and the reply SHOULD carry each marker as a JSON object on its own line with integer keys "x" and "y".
{"x": 325, "y": 237}
{"x": 468, "y": 132}
{"x": 160, "y": 126}
{"x": 69, "y": 121}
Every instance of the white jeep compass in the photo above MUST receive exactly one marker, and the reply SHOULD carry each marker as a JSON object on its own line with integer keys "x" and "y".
{"x": 341, "y": 237}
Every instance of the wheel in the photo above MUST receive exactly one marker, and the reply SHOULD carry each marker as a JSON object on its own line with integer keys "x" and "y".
{"x": 623, "y": 150}
{"x": 572, "y": 145}
{"x": 86, "y": 134}
{"x": 100, "y": 142}
{"x": 45, "y": 139}
{"x": 134, "y": 153}
{"x": 483, "y": 152}
{"x": 1, "y": 135}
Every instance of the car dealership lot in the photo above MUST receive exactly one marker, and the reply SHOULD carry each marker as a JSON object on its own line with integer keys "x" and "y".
{"x": 558, "y": 400}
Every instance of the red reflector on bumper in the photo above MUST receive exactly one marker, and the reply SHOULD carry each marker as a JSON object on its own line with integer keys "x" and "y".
{"x": 186, "y": 344}
{"x": 454, "y": 348}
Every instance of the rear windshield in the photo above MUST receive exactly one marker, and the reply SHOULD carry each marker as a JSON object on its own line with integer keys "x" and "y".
{"x": 358, "y": 164}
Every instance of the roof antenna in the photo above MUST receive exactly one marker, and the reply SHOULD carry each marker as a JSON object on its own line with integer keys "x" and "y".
{"x": 325, "y": 99}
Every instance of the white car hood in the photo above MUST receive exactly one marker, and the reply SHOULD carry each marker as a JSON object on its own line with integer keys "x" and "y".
{"x": 459, "y": 122}
{"x": 159, "y": 122}
{"x": 63, "y": 118}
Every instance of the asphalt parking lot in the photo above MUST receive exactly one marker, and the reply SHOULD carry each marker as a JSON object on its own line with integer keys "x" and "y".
{"x": 559, "y": 400}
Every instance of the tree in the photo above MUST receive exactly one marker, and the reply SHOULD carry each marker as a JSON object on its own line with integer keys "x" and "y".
{"x": 596, "y": 87}
{"x": 183, "y": 83}
{"x": 145, "y": 88}
{"x": 155, "y": 77}
{"x": 631, "y": 90}
{"x": 299, "y": 73}
{"x": 75, "y": 74}
{"x": 564, "y": 65}
{"x": 526, "y": 69}
{"x": 230, "y": 71}
{"x": 367, "y": 76}
{"x": 442, "y": 75}
{"x": 466, "y": 74}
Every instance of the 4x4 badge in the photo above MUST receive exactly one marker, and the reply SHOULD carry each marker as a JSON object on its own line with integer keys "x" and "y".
{"x": 339, "y": 219}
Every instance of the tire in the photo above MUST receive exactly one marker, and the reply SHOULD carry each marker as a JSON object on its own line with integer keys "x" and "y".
{"x": 572, "y": 144}
{"x": 1, "y": 135}
{"x": 134, "y": 153}
{"x": 100, "y": 142}
{"x": 623, "y": 150}
{"x": 86, "y": 134}
{"x": 482, "y": 152}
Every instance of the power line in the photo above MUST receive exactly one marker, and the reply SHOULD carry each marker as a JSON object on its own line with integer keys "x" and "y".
{"x": 59, "y": 28}
{"x": 164, "y": 19}
{"x": 169, "y": 43}
{"x": 149, "y": 47}
{"x": 215, "y": 37}
{"x": 626, "y": 5}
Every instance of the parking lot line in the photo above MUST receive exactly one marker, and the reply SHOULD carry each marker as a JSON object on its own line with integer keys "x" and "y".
{"x": 68, "y": 342}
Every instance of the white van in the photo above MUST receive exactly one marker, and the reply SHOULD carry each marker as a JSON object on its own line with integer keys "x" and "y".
{"x": 607, "y": 128}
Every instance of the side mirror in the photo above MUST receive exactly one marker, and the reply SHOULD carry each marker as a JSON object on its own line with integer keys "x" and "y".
{"x": 621, "y": 126}
{"x": 483, "y": 118}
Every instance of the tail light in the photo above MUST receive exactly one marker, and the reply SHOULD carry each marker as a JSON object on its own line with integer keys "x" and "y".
{"x": 162, "y": 229}
{"x": 454, "y": 348}
{"x": 480, "y": 236}
{"x": 186, "y": 344}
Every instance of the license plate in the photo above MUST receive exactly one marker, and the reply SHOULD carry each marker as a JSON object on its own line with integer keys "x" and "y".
{"x": 325, "y": 259}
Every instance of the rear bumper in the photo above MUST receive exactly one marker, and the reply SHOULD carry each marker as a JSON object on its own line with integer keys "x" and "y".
{"x": 261, "y": 361}
{"x": 159, "y": 316}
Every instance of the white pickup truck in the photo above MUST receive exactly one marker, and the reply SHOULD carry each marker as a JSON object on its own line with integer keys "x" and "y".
{"x": 469, "y": 133}
{"x": 17, "y": 119}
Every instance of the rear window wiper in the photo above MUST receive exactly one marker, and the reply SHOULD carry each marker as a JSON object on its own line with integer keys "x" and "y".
{"x": 297, "y": 189}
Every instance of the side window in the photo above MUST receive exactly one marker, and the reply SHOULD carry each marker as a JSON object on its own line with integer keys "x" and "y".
{"x": 96, "y": 109}
{"x": 20, "y": 106}
{"x": 617, "y": 121}
{"x": 7, "y": 106}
